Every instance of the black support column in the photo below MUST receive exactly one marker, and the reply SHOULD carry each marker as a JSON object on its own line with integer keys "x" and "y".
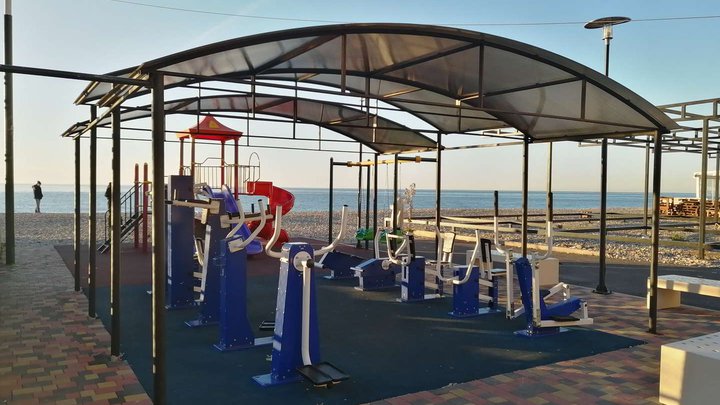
{"x": 652, "y": 291}
{"x": 158, "y": 238}
{"x": 115, "y": 238}
{"x": 525, "y": 168}
{"x": 76, "y": 227}
{"x": 92, "y": 216}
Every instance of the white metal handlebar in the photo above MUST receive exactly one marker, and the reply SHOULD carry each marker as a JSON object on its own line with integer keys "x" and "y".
{"x": 275, "y": 235}
{"x": 331, "y": 246}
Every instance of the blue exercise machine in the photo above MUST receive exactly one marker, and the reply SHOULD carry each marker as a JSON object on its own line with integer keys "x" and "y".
{"x": 340, "y": 265}
{"x": 546, "y": 319}
{"x": 378, "y": 273}
{"x": 296, "y": 346}
{"x": 467, "y": 280}
{"x": 235, "y": 330}
{"x": 182, "y": 266}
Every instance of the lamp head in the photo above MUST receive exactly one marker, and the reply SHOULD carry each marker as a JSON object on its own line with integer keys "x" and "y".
{"x": 606, "y": 23}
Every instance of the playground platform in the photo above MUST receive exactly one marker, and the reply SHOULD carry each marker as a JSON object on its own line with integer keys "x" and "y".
{"x": 50, "y": 352}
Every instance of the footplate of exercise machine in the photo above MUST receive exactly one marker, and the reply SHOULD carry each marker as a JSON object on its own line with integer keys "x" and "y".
{"x": 267, "y": 325}
{"x": 323, "y": 374}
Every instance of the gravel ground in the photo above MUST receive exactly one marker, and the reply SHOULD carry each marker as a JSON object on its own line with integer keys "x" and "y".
{"x": 58, "y": 229}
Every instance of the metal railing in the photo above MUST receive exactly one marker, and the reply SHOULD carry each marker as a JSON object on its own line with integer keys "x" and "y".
{"x": 215, "y": 174}
{"x": 130, "y": 216}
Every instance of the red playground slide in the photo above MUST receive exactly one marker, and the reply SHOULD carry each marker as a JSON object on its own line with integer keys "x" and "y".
{"x": 276, "y": 197}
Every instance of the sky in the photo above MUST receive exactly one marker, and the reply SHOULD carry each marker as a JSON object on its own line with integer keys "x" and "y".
{"x": 662, "y": 61}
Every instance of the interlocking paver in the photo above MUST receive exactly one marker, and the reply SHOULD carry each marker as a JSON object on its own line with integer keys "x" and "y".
{"x": 49, "y": 346}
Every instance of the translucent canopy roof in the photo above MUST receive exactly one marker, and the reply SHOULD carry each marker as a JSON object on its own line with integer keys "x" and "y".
{"x": 455, "y": 80}
{"x": 383, "y": 135}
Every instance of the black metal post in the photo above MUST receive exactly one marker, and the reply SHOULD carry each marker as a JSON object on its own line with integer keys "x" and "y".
{"x": 158, "y": 238}
{"x": 526, "y": 152}
{"x": 92, "y": 216}
{"x": 9, "y": 144}
{"x": 601, "y": 287}
{"x": 702, "y": 221}
{"x": 438, "y": 185}
{"x": 375, "y": 199}
{"x": 359, "y": 195}
{"x": 115, "y": 238}
{"x": 367, "y": 202}
{"x": 647, "y": 183}
{"x": 330, "y": 202}
{"x": 717, "y": 185}
{"x": 76, "y": 231}
{"x": 395, "y": 194}
{"x": 657, "y": 162}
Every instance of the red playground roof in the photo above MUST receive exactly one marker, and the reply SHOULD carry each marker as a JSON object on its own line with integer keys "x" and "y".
{"x": 210, "y": 129}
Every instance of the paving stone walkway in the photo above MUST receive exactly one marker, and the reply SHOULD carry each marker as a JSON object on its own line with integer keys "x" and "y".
{"x": 51, "y": 352}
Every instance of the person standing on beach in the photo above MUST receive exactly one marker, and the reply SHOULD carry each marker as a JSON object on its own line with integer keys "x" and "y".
{"x": 108, "y": 195}
{"x": 37, "y": 193}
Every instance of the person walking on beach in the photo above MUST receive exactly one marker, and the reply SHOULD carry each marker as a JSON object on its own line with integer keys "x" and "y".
{"x": 37, "y": 193}
{"x": 108, "y": 195}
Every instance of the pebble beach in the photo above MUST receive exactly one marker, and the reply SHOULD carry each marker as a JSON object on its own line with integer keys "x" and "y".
{"x": 57, "y": 229}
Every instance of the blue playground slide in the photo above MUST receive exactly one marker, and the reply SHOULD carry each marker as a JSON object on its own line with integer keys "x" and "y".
{"x": 255, "y": 247}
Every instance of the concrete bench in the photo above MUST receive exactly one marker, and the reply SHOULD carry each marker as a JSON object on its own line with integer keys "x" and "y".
{"x": 670, "y": 288}
{"x": 688, "y": 369}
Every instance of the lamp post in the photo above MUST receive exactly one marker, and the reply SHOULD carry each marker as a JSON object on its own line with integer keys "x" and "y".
{"x": 606, "y": 23}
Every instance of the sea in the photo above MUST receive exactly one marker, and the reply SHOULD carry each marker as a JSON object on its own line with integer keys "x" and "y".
{"x": 60, "y": 199}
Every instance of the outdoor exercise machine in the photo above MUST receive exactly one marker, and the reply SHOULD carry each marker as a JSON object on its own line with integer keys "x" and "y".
{"x": 182, "y": 276}
{"x": 296, "y": 346}
{"x": 546, "y": 319}
{"x": 235, "y": 330}
{"x": 467, "y": 280}
{"x": 378, "y": 273}
{"x": 542, "y": 319}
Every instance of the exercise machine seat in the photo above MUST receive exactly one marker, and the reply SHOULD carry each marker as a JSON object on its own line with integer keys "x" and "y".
{"x": 563, "y": 308}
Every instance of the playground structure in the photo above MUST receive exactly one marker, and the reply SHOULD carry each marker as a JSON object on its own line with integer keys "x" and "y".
{"x": 239, "y": 179}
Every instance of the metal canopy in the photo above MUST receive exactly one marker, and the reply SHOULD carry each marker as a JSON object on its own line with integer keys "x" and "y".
{"x": 456, "y": 80}
{"x": 385, "y": 137}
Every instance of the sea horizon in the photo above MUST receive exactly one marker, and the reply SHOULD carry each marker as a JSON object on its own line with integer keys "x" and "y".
{"x": 60, "y": 198}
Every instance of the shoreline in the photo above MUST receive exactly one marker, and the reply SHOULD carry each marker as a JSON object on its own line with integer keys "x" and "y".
{"x": 57, "y": 228}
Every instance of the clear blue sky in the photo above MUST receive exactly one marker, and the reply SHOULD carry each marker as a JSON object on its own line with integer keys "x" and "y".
{"x": 663, "y": 61}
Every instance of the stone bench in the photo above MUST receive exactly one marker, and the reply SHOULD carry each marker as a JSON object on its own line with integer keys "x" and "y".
{"x": 670, "y": 288}
{"x": 689, "y": 370}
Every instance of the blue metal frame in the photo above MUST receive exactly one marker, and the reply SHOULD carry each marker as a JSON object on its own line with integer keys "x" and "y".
{"x": 210, "y": 305}
{"x": 287, "y": 350}
{"x": 235, "y": 330}
{"x": 181, "y": 264}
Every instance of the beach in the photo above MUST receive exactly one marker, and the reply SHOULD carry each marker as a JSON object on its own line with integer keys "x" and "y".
{"x": 57, "y": 229}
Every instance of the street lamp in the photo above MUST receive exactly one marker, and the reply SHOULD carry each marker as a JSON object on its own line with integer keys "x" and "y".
{"x": 606, "y": 23}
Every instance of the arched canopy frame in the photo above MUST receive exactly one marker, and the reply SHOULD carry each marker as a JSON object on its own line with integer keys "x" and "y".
{"x": 457, "y": 81}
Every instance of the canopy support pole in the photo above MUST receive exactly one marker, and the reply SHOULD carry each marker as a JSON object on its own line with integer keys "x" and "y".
{"x": 115, "y": 237}
{"x": 76, "y": 232}
{"x": 657, "y": 162}
{"x": 92, "y": 216}
{"x": 438, "y": 185}
{"x": 158, "y": 237}
{"x": 525, "y": 168}
{"x": 703, "y": 190}
{"x": 647, "y": 181}
{"x": 9, "y": 143}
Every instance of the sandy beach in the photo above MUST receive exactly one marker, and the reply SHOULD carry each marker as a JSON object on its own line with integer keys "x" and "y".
{"x": 49, "y": 228}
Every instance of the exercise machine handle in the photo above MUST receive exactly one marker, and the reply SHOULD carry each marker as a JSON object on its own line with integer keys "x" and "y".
{"x": 438, "y": 264}
{"x": 275, "y": 235}
{"x": 254, "y": 234}
{"x": 474, "y": 256}
{"x": 343, "y": 222}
